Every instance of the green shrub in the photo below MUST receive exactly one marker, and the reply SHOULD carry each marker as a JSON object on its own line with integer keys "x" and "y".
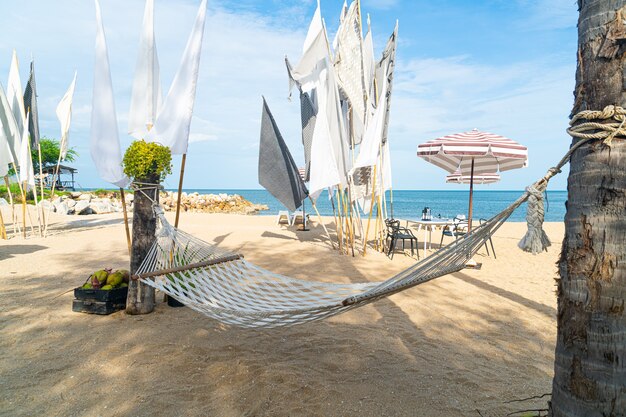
{"x": 143, "y": 159}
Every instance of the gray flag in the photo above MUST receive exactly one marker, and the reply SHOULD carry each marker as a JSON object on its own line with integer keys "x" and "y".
{"x": 278, "y": 172}
{"x": 30, "y": 105}
{"x": 308, "y": 114}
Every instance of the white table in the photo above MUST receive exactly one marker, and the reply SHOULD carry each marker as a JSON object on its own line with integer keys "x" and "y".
{"x": 428, "y": 226}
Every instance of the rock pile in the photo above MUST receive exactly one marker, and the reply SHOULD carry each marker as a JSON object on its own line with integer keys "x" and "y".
{"x": 88, "y": 203}
{"x": 210, "y": 203}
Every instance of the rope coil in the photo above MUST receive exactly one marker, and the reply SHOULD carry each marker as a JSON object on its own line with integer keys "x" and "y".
{"x": 597, "y": 127}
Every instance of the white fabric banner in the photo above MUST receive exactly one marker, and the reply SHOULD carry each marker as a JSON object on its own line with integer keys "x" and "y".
{"x": 348, "y": 64}
{"x": 370, "y": 146}
{"x": 15, "y": 95}
{"x": 171, "y": 127}
{"x": 64, "y": 114}
{"x": 105, "y": 143}
{"x": 147, "y": 97}
{"x": 26, "y": 174}
{"x": 10, "y": 140}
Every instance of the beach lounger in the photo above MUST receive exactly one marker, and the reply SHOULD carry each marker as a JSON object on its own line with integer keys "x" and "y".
{"x": 283, "y": 217}
{"x": 299, "y": 218}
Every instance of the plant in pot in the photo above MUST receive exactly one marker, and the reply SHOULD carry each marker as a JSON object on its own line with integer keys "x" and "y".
{"x": 147, "y": 164}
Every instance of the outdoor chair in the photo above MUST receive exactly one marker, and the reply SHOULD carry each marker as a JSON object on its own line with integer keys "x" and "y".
{"x": 395, "y": 233}
{"x": 283, "y": 217}
{"x": 455, "y": 230}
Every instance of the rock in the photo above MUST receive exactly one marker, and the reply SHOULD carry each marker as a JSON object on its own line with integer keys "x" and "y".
{"x": 82, "y": 207}
{"x": 85, "y": 197}
{"x": 100, "y": 207}
{"x": 75, "y": 194}
{"x": 48, "y": 206}
{"x": 57, "y": 200}
{"x": 61, "y": 208}
{"x": 3, "y": 202}
{"x": 70, "y": 203}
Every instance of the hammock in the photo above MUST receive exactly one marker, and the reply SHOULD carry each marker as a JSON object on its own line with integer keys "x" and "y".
{"x": 226, "y": 287}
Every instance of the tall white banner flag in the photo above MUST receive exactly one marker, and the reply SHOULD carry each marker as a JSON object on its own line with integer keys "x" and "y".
{"x": 10, "y": 141}
{"x": 146, "y": 99}
{"x": 15, "y": 99}
{"x": 105, "y": 142}
{"x": 64, "y": 114}
{"x": 172, "y": 124}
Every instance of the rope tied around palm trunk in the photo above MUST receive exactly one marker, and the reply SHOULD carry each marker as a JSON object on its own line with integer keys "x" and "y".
{"x": 606, "y": 124}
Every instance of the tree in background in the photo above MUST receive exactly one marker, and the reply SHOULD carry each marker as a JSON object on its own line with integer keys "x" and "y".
{"x": 50, "y": 149}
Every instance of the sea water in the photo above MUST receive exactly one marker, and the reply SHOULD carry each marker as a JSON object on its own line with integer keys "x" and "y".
{"x": 408, "y": 204}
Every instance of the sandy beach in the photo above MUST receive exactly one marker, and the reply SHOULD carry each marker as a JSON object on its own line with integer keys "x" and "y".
{"x": 466, "y": 344}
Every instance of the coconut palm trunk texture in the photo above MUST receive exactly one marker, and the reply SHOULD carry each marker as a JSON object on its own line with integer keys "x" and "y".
{"x": 590, "y": 356}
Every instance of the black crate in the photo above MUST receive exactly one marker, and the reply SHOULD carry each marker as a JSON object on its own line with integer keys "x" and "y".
{"x": 115, "y": 295}
{"x": 99, "y": 301}
{"x": 97, "y": 307}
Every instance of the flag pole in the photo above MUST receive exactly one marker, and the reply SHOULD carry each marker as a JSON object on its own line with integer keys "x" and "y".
{"x": 369, "y": 219}
{"x": 13, "y": 215}
{"x": 125, "y": 220}
{"x": 322, "y": 223}
{"x": 180, "y": 188}
{"x": 3, "y": 229}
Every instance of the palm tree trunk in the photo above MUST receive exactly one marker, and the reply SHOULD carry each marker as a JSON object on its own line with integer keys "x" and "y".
{"x": 590, "y": 356}
{"x": 140, "y": 299}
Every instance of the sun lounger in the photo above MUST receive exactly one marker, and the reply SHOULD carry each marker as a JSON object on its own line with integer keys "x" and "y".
{"x": 283, "y": 217}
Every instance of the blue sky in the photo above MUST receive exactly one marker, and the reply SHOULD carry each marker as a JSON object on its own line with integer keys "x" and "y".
{"x": 504, "y": 66}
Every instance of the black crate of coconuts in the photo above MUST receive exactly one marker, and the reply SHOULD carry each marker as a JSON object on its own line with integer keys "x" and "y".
{"x": 104, "y": 292}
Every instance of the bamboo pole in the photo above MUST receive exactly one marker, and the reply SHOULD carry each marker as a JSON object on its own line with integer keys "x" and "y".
{"x": 180, "y": 188}
{"x": 24, "y": 211}
{"x": 322, "y": 223}
{"x": 369, "y": 219}
{"x": 3, "y": 229}
{"x": 30, "y": 151}
{"x": 123, "y": 198}
{"x": 55, "y": 178}
{"x": 13, "y": 215}
{"x": 41, "y": 183}
{"x": 332, "y": 202}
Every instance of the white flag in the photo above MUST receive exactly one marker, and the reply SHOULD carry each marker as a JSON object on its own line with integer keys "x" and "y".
{"x": 15, "y": 94}
{"x": 10, "y": 141}
{"x": 26, "y": 162}
{"x": 105, "y": 143}
{"x": 15, "y": 107}
{"x": 171, "y": 127}
{"x": 147, "y": 98}
{"x": 64, "y": 114}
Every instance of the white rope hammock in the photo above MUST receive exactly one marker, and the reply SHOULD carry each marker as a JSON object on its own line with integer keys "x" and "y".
{"x": 224, "y": 286}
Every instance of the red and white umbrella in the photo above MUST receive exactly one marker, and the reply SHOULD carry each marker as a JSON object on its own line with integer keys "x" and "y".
{"x": 472, "y": 153}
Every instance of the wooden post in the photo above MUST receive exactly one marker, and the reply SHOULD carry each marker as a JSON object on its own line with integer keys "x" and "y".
{"x": 140, "y": 298}
{"x": 180, "y": 188}
{"x": 123, "y": 198}
{"x": 43, "y": 215}
{"x": 471, "y": 195}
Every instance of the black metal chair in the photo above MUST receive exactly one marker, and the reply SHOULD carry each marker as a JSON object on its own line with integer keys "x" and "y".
{"x": 455, "y": 230}
{"x": 395, "y": 233}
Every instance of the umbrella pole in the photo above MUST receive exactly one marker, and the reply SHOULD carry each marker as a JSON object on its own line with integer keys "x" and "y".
{"x": 471, "y": 196}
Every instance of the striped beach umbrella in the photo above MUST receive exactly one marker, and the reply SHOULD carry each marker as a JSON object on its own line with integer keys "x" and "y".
{"x": 473, "y": 153}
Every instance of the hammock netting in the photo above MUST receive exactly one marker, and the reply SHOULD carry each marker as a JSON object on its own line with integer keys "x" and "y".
{"x": 226, "y": 287}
